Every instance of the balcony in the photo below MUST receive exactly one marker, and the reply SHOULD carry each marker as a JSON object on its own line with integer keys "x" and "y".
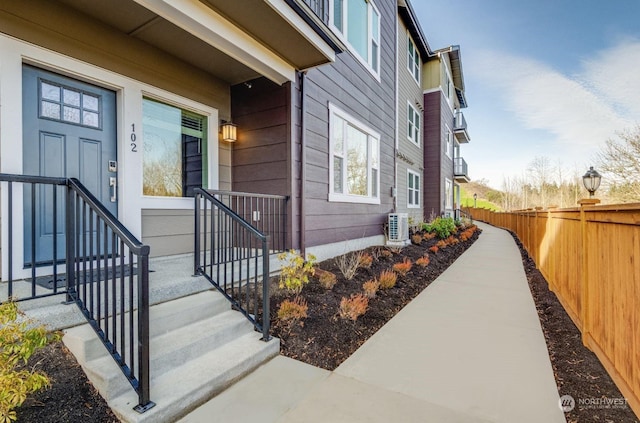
{"x": 460, "y": 171}
{"x": 460, "y": 128}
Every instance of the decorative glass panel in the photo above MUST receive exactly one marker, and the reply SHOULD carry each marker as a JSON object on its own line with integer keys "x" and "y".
{"x": 90, "y": 119}
{"x": 50, "y": 92}
{"x": 72, "y": 98}
{"x": 89, "y": 102}
{"x": 50, "y": 110}
{"x": 337, "y": 174}
{"x": 71, "y": 114}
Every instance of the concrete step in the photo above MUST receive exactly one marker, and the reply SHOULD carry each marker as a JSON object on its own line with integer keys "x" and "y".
{"x": 188, "y": 386}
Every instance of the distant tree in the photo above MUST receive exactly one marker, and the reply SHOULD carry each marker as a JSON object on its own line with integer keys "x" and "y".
{"x": 619, "y": 162}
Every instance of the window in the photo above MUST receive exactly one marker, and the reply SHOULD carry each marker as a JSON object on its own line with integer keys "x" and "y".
{"x": 448, "y": 141}
{"x": 413, "y": 124}
{"x": 174, "y": 150}
{"x": 413, "y": 189}
{"x": 358, "y": 21}
{"x": 447, "y": 86}
{"x": 448, "y": 194}
{"x": 413, "y": 59}
{"x": 354, "y": 151}
{"x": 69, "y": 105}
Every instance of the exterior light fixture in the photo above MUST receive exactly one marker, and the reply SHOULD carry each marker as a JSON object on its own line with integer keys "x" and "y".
{"x": 229, "y": 131}
{"x": 475, "y": 201}
{"x": 591, "y": 181}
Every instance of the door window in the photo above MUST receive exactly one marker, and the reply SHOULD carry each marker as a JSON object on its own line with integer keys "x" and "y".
{"x": 69, "y": 105}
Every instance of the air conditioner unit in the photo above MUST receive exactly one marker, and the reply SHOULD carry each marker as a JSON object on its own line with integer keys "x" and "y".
{"x": 398, "y": 229}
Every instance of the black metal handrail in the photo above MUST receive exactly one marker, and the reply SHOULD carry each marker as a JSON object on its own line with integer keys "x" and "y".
{"x": 233, "y": 256}
{"x": 265, "y": 212}
{"x": 100, "y": 259}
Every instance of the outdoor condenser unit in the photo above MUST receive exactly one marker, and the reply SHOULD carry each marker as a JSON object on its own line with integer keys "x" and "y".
{"x": 398, "y": 228}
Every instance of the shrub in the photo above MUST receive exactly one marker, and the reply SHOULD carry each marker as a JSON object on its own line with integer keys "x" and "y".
{"x": 434, "y": 249}
{"x": 423, "y": 261}
{"x": 428, "y": 235}
{"x": 19, "y": 339}
{"x": 349, "y": 263}
{"x": 387, "y": 279}
{"x": 416, "y": 239}
{"x": 441, "y": 226}
{"x": 404, "y": 267}
{"x": 441, "y": 244}
{"x": 386, "y": 253}
{"x": 354, "y": 307}
{"x": 370, "y": 288}
{"x": 365, "y": 260}
{"x": 295, "y": 271}
{"x": 327, "y": 279}
{"x": 291, "y": 311}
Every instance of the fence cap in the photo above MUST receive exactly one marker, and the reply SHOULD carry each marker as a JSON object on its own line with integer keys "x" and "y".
{"x": 588, "y": 201}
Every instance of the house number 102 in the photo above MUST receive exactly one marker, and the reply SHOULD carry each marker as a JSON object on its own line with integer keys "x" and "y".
{"x": 134, "y": 146}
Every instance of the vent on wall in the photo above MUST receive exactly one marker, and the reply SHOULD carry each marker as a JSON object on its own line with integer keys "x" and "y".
{"x": 398, "y": 228}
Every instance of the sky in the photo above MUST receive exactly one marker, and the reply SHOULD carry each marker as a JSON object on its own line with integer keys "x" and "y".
{"x": 545, "y": 78}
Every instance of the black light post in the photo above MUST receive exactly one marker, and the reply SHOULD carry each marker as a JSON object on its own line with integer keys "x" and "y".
{"x": 475, "y": 201}
{"x": 591, "y": 181}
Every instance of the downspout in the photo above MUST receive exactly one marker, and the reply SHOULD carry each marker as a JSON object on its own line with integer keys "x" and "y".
{"x": 303, "y": 165}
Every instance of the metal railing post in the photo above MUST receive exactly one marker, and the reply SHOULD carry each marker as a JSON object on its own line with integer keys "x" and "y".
{"x": 266, "y": 314}
{"x": 70, "y": 245}
{"x": 144, "y": 403}
{"x": 196, "y": 236}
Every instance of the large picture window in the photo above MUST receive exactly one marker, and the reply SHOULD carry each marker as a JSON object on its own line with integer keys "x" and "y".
{"x": 354, "y": 164}
{"x": 413, "y": 189}
{"x": 174, "y": 150}
{"x": 358, "y": 21}
{"x": 413, "y": 124}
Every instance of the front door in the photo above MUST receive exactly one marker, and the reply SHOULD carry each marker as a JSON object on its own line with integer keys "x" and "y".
{"x": 69, "y": 130}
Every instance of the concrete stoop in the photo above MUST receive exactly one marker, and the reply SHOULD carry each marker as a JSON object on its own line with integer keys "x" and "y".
{"x": 199, "y": 346}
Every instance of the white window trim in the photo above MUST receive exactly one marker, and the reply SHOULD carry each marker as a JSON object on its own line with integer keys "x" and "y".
{"x": 415, "y": 175}
{"x": 448, "y": 199}
{"x": 350, "y": 198}
{"x": 448, "y": 141}
{"x": 417, "y": 130}
{"x": 411, "y": 64}
{"x": 343, "y": 37}
{"x": 449, "y": 81}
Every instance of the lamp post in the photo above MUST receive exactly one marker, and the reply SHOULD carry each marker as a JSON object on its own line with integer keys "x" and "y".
{"x": 591, "y": 181}
{"x": 475, "y": 201}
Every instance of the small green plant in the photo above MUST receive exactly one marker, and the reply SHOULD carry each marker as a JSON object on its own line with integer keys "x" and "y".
{"x": 292, "y": 311}
{"x": 403, "y": 267}
{"x": 387, "y": 279}
{"x": 19, "y": 339}
{"x": 354, "y": 307}
{"x": 295, "y": 271}
{"x": 326, "y": 278}
{"x": 370, "y": 288}
{"x": 441, "y": 226}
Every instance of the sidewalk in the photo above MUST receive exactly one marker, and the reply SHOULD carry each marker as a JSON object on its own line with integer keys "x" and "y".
{"x": 469, "y": 348}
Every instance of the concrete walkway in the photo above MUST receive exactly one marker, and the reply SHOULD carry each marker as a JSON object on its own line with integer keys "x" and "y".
{"x": 469, "y": 348}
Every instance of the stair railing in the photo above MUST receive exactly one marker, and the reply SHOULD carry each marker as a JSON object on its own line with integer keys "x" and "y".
{"x": 234, "y": 257}
{"x": 107, "y": 270}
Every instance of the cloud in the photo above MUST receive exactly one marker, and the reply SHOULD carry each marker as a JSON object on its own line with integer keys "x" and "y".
{"x": 584, "y": 109}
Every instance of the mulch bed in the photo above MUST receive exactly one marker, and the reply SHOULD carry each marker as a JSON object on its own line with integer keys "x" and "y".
{"x": 324, "y": 339}
{"x": 71, "y": 397}
{"x": 577, "y": 370}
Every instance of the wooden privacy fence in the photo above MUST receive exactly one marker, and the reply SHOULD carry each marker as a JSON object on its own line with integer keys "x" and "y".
{"x": 590, "y": 256}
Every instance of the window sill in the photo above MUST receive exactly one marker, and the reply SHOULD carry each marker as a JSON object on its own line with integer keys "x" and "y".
{"x": 344, "y": 198}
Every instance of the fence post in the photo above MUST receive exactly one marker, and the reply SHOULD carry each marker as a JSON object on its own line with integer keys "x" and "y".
{"x": 584, "y": 274}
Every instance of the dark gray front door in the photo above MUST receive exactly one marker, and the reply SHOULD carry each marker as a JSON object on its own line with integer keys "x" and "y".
{"x": 69, "y": 130}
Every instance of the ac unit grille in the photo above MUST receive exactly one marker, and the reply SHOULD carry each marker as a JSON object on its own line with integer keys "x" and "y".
{"x": 398, "y": 227}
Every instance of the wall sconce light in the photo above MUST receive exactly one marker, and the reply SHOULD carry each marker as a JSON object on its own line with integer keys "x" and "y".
{"x": 591, "y": 181}
{"x": 229, "y": 131}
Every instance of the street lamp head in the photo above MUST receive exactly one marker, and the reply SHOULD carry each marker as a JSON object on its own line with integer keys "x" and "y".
{"x": 591, "y": 180}
{"x": 475, "y": 196}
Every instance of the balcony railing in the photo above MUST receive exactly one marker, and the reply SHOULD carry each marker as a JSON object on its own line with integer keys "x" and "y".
{"x": 320, "y": 8}
{"x": 460, "y": 170}
{"x": 460, "y": 128}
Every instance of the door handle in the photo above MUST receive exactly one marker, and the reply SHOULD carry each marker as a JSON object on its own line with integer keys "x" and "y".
{"x": 113, "y": 184}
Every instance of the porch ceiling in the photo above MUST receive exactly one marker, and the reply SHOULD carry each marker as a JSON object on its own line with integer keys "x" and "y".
{"x": 264, "y": 26}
